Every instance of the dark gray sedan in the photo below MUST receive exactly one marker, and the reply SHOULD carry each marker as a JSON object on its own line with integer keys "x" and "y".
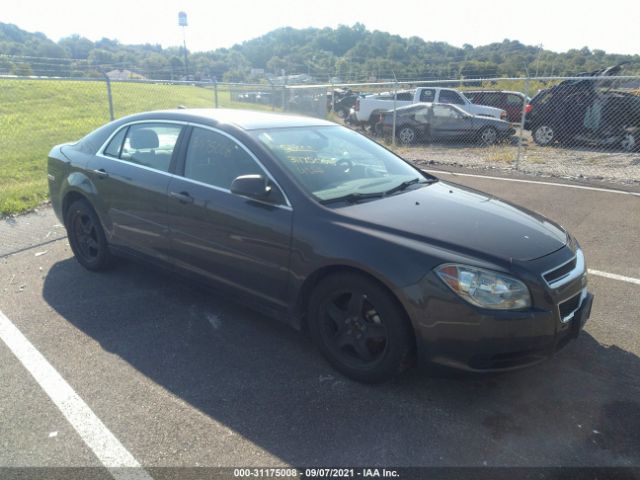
{"x": 322, "y": 228}
{"x": 439, "y": 121}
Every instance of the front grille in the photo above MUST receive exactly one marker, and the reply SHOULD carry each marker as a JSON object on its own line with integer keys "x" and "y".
{"x": 566, "y": 272}
{"x": 560, "y": 272}
{"x": 569, "y": 306}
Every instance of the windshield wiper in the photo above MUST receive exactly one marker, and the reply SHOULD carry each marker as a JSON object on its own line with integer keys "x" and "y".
{"x": 353, "y": 197}
{"x": 408, "y": 183}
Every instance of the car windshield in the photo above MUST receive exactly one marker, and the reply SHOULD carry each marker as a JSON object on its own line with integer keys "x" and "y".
{"x": 333, "y": 162}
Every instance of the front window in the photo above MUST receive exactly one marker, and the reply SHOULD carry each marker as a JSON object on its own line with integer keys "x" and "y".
{"x": 445, "y": 112}
{"x": 332, "y": 163}
{"x": 449, "y": 96}
{"x": 216, "y": 160}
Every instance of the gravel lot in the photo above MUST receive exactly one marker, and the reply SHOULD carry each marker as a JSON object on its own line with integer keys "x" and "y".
{"x": 614, "y": 167}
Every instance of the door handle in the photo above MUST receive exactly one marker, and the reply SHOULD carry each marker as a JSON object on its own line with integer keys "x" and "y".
{"x": 101, "y": 173}
{"x": 182, "y": 197}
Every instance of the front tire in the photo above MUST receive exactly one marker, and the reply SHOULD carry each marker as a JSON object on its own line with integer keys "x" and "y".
{"x": 86, "y": 237}
{"x": 360, "y": 328}
{"x": 544, "y": 135}
{"x": 488, "y": 136}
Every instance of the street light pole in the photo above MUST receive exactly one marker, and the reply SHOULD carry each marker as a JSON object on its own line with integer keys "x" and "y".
{"x": 182, "y": 21}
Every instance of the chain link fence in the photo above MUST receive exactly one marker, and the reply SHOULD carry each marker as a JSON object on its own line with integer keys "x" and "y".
{"x": 574, "y": 127}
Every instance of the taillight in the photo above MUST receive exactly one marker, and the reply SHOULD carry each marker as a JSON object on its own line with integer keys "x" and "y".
{"x": 528, "y": 108}
{"x": 357, "y": 106}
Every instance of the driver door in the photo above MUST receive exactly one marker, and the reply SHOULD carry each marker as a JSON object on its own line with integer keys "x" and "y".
{"x": 447, "y": 122}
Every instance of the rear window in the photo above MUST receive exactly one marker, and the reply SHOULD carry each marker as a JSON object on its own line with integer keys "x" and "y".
{"x": 514, "y": 100}
{"x": 542, "y": 97}
{"x": 115, "y": 145}
{"x": 427, "y": 95}
{"x": 150, "y": 145}
{"x": 403, "y": 96}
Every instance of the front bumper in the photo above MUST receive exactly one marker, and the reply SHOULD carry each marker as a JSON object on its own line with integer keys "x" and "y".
{"x": 453, "y": 333}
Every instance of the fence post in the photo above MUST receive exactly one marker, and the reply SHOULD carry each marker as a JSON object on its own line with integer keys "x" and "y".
{"x": 215, "y": 90}
{"x": 109, "y": 96}
{"x": 284, "y": 90}
{"x": 395, "y": 96}
{"x": 522, "y": 115}
{"x": 333, "y": 98}
{"x": 273, "y": 95}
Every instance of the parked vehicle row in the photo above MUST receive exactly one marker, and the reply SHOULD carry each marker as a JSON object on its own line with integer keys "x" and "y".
{"x": 367, "y": 109}
{"x": 574, "y": 112}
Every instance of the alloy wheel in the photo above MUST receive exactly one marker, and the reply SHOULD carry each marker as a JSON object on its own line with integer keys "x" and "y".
{"x": 628, "y": 142}
{"x": 489, "y": 136}
{"x": 407, "y": 135}
{"x": 353, "y": 329}
{"x": 544, "y": 135}
{"x": 86, "y": 236}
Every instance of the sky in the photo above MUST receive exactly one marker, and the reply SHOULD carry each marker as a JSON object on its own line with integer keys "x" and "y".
{"x": 555, "y": 24}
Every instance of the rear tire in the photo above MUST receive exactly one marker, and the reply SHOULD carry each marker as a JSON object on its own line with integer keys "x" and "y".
{"x": 629, "y": 142}
{"x": 360, "y": 328}
{"x": 544, "y": 135}
{"x": 407, "y": 135}
{"x": 87, "y": 238}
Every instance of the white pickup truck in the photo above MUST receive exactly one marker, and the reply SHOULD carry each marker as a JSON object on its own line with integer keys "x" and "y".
{"x": 368, "y": 109}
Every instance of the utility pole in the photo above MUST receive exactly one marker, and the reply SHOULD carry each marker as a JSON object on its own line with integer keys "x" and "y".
{"x": 538, "y": 58}
{"x": 182, "y": 21}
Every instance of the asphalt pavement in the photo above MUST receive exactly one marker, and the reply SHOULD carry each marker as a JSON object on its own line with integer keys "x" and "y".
{"x": 184, "y": 377}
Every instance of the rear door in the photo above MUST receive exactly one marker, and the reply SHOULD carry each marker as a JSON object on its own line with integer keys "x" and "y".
{"x": 227, "y": 238}
{"x": 131, "y": 176}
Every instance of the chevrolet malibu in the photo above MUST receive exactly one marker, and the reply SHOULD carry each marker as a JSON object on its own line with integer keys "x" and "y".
{"x": 384, "y": 265}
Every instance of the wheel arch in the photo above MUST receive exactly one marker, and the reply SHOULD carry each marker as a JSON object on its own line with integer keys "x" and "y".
{"x": 69, "y": 198}
{"x": 306, "y": 290}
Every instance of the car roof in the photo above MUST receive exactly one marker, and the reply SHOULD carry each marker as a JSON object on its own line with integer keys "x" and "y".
{"x": 244, "y": 119}
{"x": 415, "y": 106}
{"x": 520, "y": 94}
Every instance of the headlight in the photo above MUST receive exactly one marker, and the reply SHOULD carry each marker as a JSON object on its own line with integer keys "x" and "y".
{"x": 485, "y": 288}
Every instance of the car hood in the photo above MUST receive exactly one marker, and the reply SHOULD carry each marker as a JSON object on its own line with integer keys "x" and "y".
{"x": 483, "y": 108}
{"x": 462, "y": 220}
{"x": 479, "y": 121}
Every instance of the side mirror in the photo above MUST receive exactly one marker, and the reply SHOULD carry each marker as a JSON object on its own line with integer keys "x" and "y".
{"x": 252, "y": 186}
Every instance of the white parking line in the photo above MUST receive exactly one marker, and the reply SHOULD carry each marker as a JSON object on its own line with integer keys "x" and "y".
{"x": 519, "y": 180}
{"x": 111, "y": 453}
{"x": 615, "y": 276}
